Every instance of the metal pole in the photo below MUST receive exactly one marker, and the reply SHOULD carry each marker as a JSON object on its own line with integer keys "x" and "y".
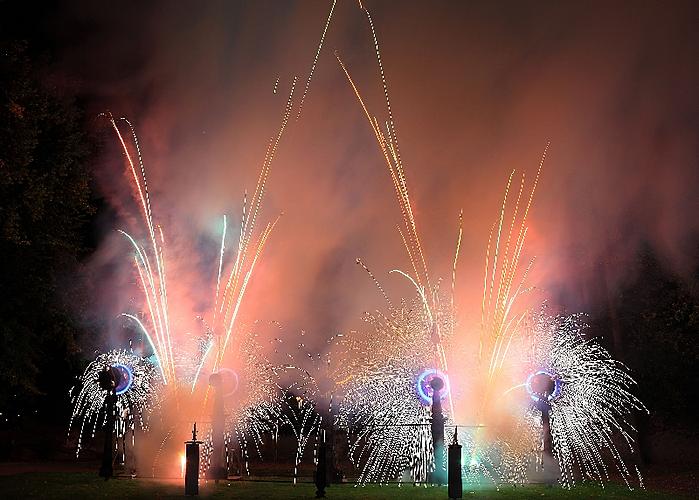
{"x": 455, "y": 488}
{"x": 321, "y": 479}
{"x": 437, "y": 427}
{"x": 191, "y": 476}
{"x": 107, "y": 467}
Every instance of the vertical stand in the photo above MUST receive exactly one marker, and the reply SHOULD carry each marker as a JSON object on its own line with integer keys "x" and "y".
{"x": 191, "y": 475}
{"x": 437, "y": 427}
{"x": 321, "y": 479}
{"x": 546, "y": 429}
{"x": 107, "y": 467}
{"x": 454, "y": 482}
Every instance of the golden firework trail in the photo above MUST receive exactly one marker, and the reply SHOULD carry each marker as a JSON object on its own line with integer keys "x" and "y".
{"x": 388, "y": 145}
{"x": 315, "y": 60}
{"x": 502, "y": 282}
{"x": 149, "y": 262}
{"x": 247, "y": 255}
{"x": 150, "y": 259}
{"x": 387, "y": 141}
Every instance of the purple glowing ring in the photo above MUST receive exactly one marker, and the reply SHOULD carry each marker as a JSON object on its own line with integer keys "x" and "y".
{"x": 536, "y": 396}
{"x": 422, "y": 385}
{"x": 126, "y": 380}
{"x": 234, "y": 378}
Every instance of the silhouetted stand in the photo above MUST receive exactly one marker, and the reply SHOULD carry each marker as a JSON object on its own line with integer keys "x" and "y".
{"x": 439, "y": 475}
{"x": 218, "y": 469}
{"x": 543, "y": 386}
{"x": 107, "y": 467}
{"x": 455, "y": 488}
{"x": 321, "y": 479}
{"x": 334, "y": 474}
{"x": 108, "y": 380}
{"x": 191, "y": 475}
{"x": 546, "y": 430}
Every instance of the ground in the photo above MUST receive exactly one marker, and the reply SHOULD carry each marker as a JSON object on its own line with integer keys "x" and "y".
{"x": 79, "y": 485}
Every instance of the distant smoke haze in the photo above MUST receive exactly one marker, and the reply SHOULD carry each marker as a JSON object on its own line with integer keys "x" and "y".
{"x": 477, "y": 90}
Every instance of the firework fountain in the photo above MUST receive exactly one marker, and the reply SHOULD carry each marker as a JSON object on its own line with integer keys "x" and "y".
{"x": 583, "y": 396}
{"x": 381, "y": 398}
{"x": 137, "y": 394}
{"x": 179, "y": 364}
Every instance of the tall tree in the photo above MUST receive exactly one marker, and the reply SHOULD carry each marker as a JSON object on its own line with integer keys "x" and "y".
{"x": 44, "y": 205}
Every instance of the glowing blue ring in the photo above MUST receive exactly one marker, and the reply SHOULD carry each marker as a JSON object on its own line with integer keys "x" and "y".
{"x": 557, "y": 386}
{"x": 423, "y": 381}
{"x": 127, "y": 378}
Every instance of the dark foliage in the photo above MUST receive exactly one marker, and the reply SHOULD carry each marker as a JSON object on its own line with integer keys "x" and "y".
{"x": 655, "y": 315}
{"x": 44, "y": 206}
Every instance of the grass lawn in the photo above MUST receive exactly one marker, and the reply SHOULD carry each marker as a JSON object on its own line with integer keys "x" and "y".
{"x": 77, "y": 486}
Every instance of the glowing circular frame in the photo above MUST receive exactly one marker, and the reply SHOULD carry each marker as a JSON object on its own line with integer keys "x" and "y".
{"x": 126, "y": 380}
{"x": 236, "y": 380}
{"x": 422, "y": 384}
{"x": 536, "y": 397}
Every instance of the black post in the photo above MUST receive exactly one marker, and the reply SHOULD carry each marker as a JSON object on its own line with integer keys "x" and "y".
{"x": 546, "y": 428}
{"x": 107, "y": 467}
{"x": 108, "y": 379}
{"x": 439, "y": 474}
{"x": 321, "y": 479}
{"x": 455, "y": 488}
{"x": 191, "y": 475}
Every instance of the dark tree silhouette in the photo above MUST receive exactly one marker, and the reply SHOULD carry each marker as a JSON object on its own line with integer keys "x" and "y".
{"x": 44, "y": 206}
{"x": 657, "y": 315}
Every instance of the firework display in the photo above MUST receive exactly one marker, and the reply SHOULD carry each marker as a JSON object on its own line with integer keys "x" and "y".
{"x": 586, "y": 391}
{"x": 535, "y": 384}
{"x": 384, "y": 392}
{"x": 137, "y": 395}
{"x": 587, "y": 394}
{"x": 180, "y": 362}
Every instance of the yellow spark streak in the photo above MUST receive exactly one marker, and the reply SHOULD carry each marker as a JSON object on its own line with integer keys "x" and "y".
{"x": 201, "y": 365}
{"x": 407, "y": 248}
{"x": 398, "y": 178}
{"x": 315, "y": 59}
{"x": 229, "y": 329}
{"x": 376, "y": 282}
{"x": 163, "y": 295}
{"x": 456, "y": 259}
{"x": 485, "y": 287}
{"x": 497, "y": 247}
{"x": 236, "y": 285}
{"x": 420, "y": 291}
